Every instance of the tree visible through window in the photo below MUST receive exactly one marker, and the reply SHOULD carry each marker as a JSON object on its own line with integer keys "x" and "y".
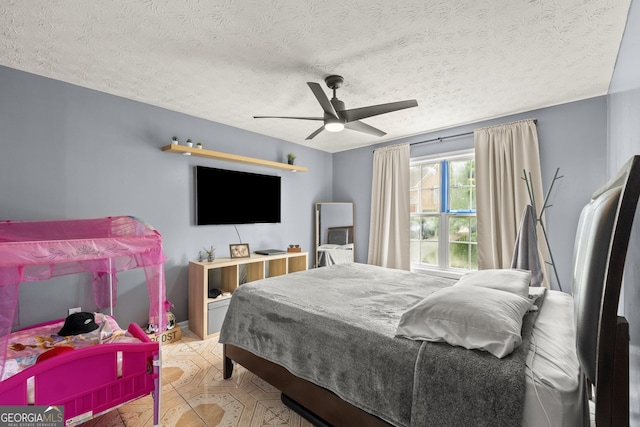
{"x": 443, "y": 212}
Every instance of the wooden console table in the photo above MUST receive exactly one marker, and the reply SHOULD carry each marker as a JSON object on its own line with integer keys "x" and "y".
{"x": 227, "y": 274}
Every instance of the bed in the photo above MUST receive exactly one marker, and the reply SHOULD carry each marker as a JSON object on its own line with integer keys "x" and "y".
{"x": 354, "y": 370}
{"x": 108, "y": 371}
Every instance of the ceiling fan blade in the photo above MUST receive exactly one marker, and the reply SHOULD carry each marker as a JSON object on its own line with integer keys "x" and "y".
{"x": 285, "y": 117}
{"x": 322, "y": 99}
{"x": 374, "y": 110}
{"x": 314, "y": 134}
{"x": 363, "y": 127}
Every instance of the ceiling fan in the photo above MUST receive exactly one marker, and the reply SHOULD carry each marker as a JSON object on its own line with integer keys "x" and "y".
{"x": 337, "y": 118}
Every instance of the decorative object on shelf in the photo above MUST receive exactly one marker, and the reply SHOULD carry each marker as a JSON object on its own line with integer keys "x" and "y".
{"x": 211, "y": 254}
{"x": 199, "y": 145}
{"x": 291, "y": 158}
{"x": 294, "y": 248}
{"x": 190, "y": 145}
{"x": 240, "y": 250}
{"x": 175, "y": 140}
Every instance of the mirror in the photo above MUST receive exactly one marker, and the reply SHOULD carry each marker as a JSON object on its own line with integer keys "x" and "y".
{"x": 334, "y": 233}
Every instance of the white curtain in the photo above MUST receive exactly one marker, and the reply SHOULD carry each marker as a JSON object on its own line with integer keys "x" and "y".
{"x": 502, "y": 155}
{"x": 389, "y": 227}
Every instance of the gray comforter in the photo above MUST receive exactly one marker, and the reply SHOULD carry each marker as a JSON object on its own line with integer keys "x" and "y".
{"x": 335, "y": 326}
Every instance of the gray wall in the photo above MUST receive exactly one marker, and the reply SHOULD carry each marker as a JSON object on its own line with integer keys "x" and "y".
{"x": 571, "y": 136}
{"x": 624, "y": 142}
{"x": 70, "y": 152}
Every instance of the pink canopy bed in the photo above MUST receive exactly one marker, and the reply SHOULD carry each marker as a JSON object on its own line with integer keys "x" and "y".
{"x": 106, "y": 375}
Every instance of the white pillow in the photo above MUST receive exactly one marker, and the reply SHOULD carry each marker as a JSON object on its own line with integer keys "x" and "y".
{"x": 510, "y": 280}
{"x": 472, "y": 317}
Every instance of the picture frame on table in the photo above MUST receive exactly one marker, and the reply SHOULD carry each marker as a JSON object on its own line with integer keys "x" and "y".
{"x": 239, "y": 250}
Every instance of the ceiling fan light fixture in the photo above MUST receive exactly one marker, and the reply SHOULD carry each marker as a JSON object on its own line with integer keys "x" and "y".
{"x": 333, "y": 125}
{"x": 337, "y": 117}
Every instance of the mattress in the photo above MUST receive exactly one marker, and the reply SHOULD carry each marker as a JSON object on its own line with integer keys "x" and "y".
{"x": 26, "y": 345}
{"x": 555, "y": 393}
{"x": 322, "y": 302}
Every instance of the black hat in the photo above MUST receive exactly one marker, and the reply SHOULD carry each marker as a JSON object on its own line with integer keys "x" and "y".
{"x": 78, "y": 323}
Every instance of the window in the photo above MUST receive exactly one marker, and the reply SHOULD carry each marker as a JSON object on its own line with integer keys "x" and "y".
{"x": 443, "y": 212}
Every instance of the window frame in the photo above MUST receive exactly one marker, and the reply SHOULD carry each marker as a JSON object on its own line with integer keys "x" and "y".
{"x": 445, "y": 213}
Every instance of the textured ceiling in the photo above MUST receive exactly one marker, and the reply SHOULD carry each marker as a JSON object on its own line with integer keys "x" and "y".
{"x": 228, "y": 60}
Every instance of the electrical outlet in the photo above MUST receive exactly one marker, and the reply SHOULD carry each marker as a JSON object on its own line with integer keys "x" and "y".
{"x": 74, "y": 310}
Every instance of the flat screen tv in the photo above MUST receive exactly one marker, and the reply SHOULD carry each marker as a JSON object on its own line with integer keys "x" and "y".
{"x": 233, "y": 197}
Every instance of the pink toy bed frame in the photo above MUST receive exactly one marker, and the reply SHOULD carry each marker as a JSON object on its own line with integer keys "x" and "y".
{"x": 85, "y": 381}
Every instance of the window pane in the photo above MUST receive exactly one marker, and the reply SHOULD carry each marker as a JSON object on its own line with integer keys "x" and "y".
{"x": 459, "y": 229}
{"x": 462, "y": 185}
{"x": 430, "y": 185}
{"x": 415, "y": 175}
{"x": 414, "y": 188}
{"x": 430, "y": 175}
{"x": 429, "y": 246}
{"x": 414, "y": 248}
{"x": 474, "y": 257}
{"x": 473, "y": 226}
{"x": 430, "y": 228}
{"x": 473, "y": 196}
{"x": 423, "y": 228}
{"x": 415, "y": 227}
{"x": 424, "y": 239}
{"x": 459, "y": 173}
{"x": 463, "y": 255}
{"x": 462, "y": 242}
{"x": 431, "y": 200}
{"x": 460, "y": 199}
{"x": 414, "y": 200}
{"x": 429, "y": 252}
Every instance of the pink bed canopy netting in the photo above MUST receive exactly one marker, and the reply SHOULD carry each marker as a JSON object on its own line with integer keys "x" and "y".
{"x": 40, "y": 250}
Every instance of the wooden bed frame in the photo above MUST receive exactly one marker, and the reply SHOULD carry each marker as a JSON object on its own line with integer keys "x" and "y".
{"x": 611, "y": 379}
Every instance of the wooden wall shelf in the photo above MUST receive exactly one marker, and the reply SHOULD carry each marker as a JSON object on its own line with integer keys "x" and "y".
{"x": 209, "y": 154}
